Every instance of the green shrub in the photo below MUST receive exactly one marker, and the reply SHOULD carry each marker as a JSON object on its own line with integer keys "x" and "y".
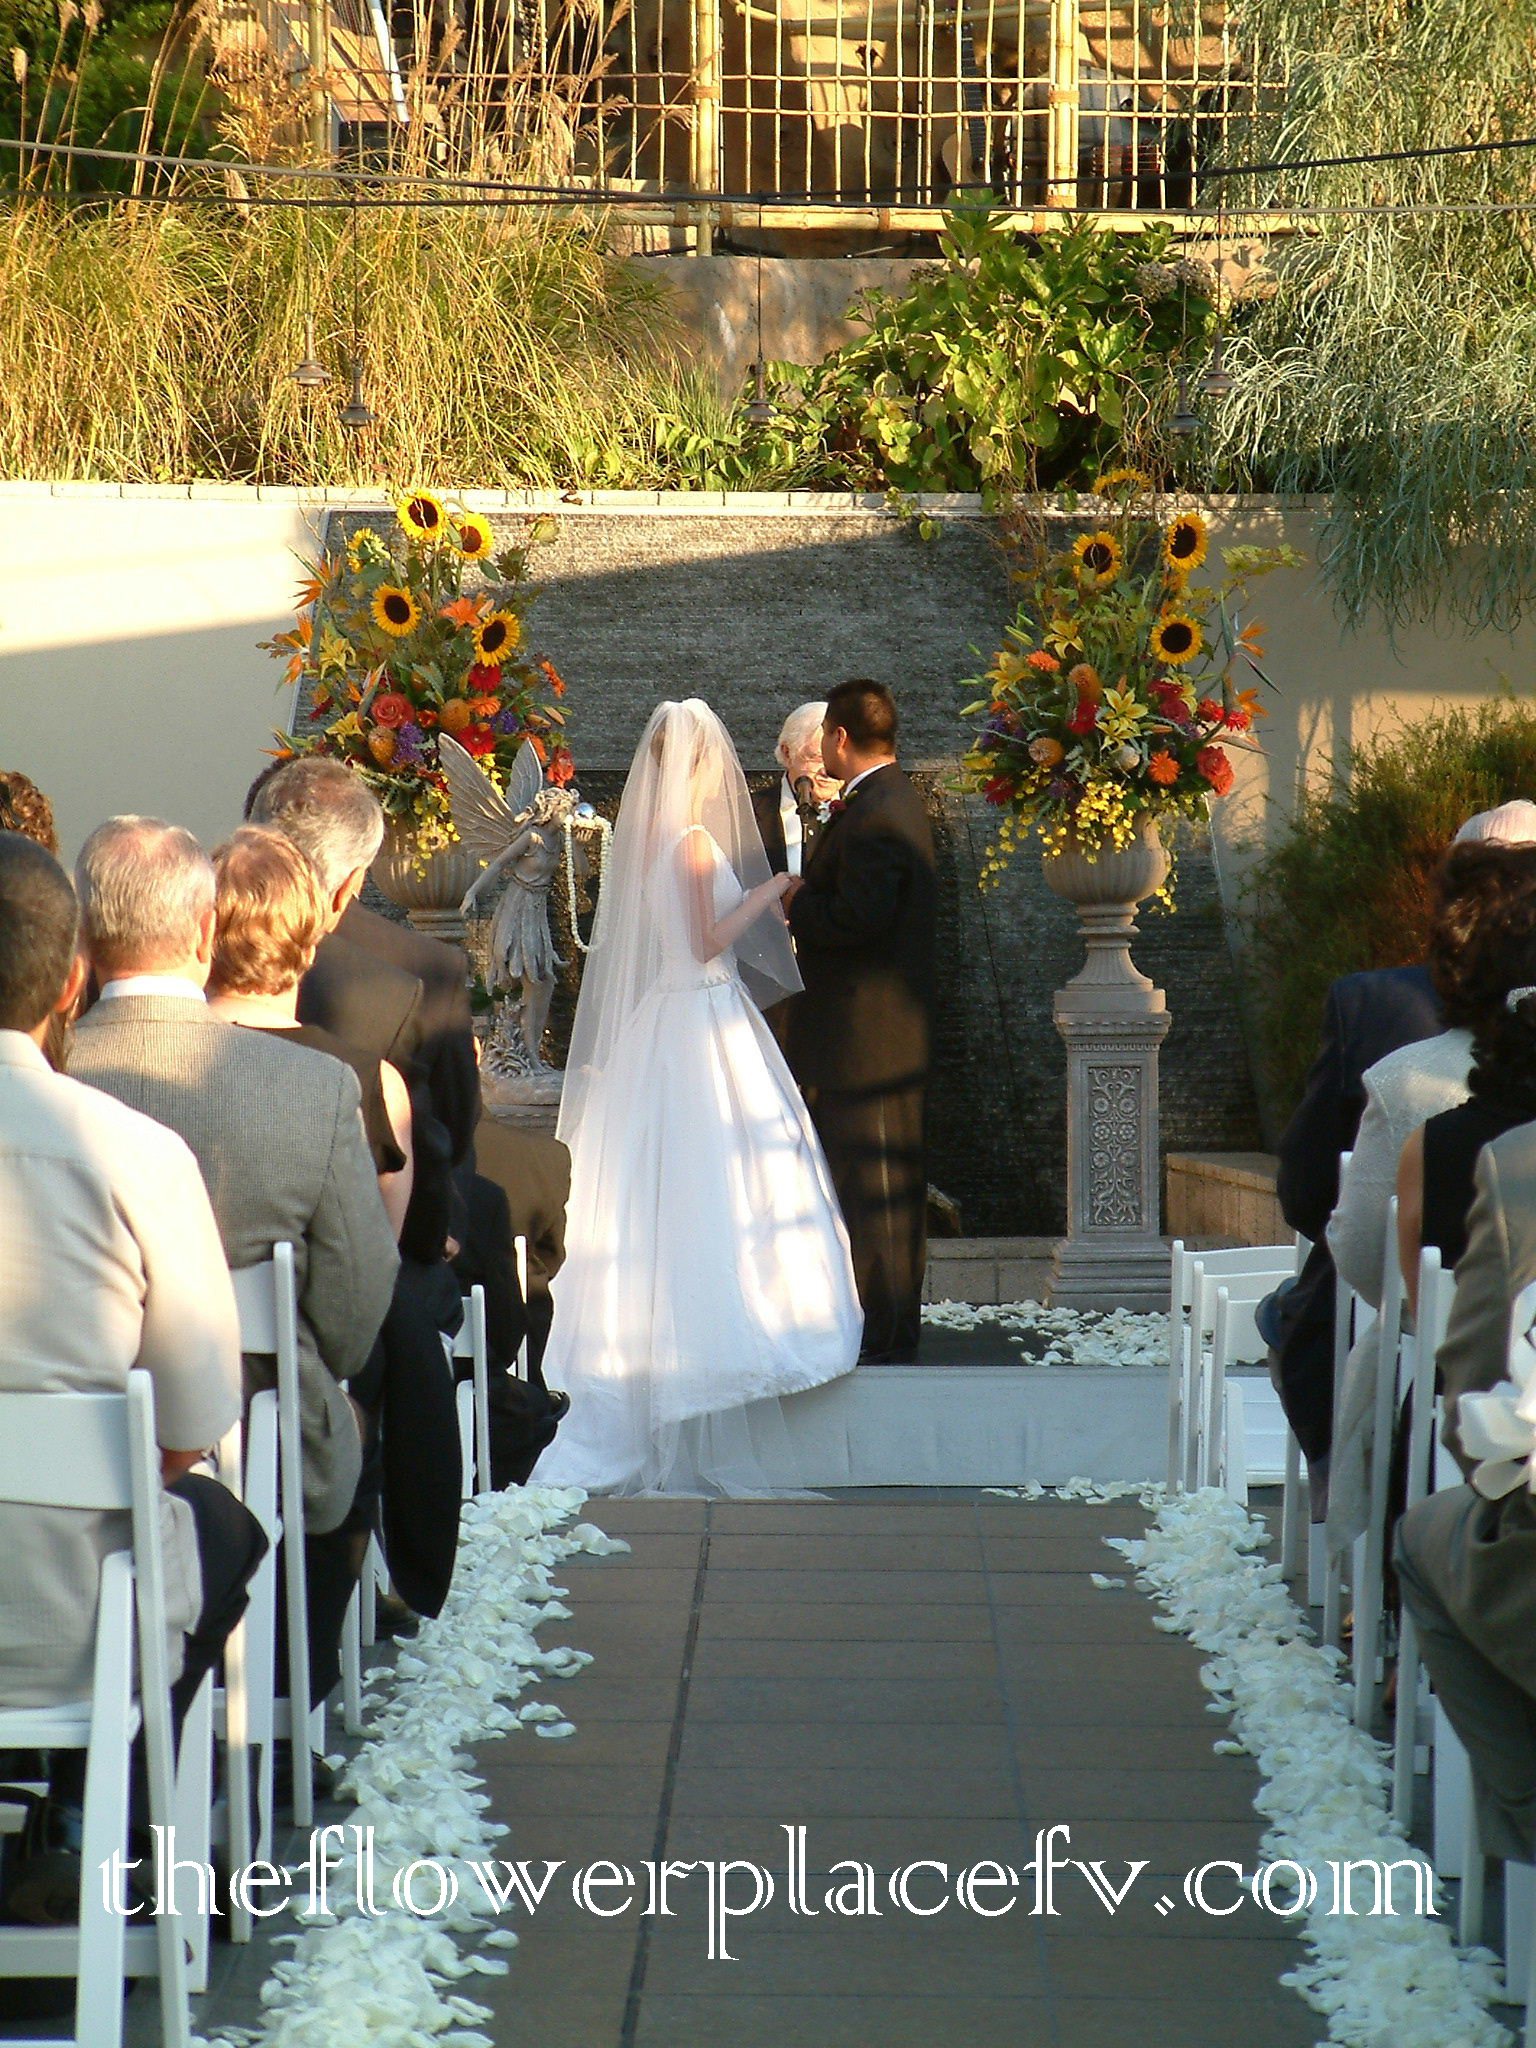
{"x": 1017, "y": 362}
{"x": 1349, "y": 884}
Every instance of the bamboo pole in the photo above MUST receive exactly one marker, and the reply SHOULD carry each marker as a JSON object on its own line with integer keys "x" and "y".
{"x": 1061, "y": 100}
{"x": 319, "y": 101}
{"x": 707, "y": 94}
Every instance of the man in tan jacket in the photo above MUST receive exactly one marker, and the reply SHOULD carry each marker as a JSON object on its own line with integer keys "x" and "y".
{"x": 275, "y": 1128}
{"x": 1467, "y": 1565}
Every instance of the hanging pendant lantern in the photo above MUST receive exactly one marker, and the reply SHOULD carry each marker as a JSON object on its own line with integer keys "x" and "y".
{"x": 355, "y": 414}
{"x": 1185, "y": 423}
{"x": 311, "y": 374}
{"x": 1217, "y": 380}
{"x": 760, "y": 411}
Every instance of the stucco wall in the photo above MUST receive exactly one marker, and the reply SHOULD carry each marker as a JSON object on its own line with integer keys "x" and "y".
{"x": 129, "y": 672}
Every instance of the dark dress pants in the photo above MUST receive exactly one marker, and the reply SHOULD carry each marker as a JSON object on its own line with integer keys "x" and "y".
{"x": 230, "y": 1545}
{"x": 873, "y": 1139}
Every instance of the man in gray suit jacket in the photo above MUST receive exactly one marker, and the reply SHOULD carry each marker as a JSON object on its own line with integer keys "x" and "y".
{"x": 275, "y": 1128}
{"x": 1467, "y": 1566}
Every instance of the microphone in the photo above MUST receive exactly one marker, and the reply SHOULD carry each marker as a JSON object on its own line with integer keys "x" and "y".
{"x": 802, "y": 787}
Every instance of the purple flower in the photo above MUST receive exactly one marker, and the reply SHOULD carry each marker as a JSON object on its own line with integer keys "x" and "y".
{"x": 408, "y": 745}
{"x": 506, "y": 721}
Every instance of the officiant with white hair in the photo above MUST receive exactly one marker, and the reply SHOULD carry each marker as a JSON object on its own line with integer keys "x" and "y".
{"x": 790, "y": 811}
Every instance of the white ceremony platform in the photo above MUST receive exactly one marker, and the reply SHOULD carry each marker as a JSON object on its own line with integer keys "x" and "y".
{"x": 1003, "y": 1425}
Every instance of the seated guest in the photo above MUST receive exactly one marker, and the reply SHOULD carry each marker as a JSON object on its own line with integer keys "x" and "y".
{"x": 1467, "y": 1565}
{"x": 110, "y": 1260}
{"x": 522, "y": 1193}
{"x": 272, "y": 914}
{"x": 24, "y": 809}
{"x": 369, "y": 1003}
{"x": 1366, "y": 1017}
{"x": 276, "y": 1128}
{"x": 1434, "y": 1175}
{"x": 330, "y": 814}
{"x": 1486, "y": 898}
{"x": 1478, "y": 891}
{"x": 533, "y": 1173}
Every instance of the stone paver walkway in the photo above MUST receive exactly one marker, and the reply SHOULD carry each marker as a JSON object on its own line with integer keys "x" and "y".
{"x": 908, "y": 1679}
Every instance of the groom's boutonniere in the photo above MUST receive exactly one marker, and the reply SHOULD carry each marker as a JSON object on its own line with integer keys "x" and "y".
{"x": 830, "y": 811}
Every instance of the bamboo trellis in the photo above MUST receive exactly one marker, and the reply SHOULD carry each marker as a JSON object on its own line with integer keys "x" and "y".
{"x": 822, "y": 112}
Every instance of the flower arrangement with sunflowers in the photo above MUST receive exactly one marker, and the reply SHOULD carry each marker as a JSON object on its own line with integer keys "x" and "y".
{"x": 1116, "y": 698}
{"x": 398, "y": 650}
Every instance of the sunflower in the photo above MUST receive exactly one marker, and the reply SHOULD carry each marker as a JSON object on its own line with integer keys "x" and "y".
{"x": 498, "y": 637}
{"x": 396, "y": 611}
{"x": 365, "y": 550}
{"x": 1098, "y": 557}
{"x": 471, "y": 536}
{"x": 1176, "y": 638}
{"x": 1128, "y": 480}
{"x": 422, "y": 516}
{"x": 1184, "y": 543}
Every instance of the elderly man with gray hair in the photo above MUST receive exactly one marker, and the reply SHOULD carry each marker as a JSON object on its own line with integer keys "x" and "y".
{"x": 275, "y": 1128}
{"x": 789, "y": 812}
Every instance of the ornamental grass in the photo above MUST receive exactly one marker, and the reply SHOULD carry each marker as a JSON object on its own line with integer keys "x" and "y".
{"x": 152, "y": 342}
{"x": 1348, "y": 885}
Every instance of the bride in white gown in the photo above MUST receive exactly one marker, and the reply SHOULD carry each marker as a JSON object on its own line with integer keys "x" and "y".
{"x": 707, "y": 1269}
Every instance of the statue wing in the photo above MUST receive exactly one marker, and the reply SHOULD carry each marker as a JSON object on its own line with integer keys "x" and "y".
{"x": 526, "y": 779}
{"x": 484, "y": 820}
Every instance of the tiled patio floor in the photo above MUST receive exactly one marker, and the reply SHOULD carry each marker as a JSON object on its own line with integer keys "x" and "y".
{"x": 908, "y": 1678}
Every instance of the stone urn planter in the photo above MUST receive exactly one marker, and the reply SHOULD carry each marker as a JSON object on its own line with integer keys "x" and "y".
{"x": 1113, "y": 1021}
{"x": 430, "y": 896}
{"x": 1106, "y": 887}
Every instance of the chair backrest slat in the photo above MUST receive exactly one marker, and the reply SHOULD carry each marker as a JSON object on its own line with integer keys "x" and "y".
{"x": 65, "y": 1450}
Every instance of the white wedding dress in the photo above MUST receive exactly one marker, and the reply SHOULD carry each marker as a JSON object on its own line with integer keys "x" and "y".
{"x": 707, "y": 1269}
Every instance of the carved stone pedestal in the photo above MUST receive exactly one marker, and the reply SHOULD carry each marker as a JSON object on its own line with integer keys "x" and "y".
{"x": 531, "y": 1101}
{"x": 1113, "y": 1021}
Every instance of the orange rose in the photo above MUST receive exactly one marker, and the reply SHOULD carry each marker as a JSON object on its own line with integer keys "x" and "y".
{"x": 455, "y": 715}
{"x": 1163, "y": 768}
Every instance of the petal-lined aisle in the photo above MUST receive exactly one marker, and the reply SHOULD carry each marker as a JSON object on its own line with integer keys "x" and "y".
{"x": 911, "y": 1680}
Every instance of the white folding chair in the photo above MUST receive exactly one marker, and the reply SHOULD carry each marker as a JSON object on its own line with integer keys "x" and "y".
{"x": 520, "y": 1253}
{"x": 98, "y": 1452}
{"x": 1247, "y": 1275}
{"x": 1436, "y": 1292}
{"x": 1293, "y": 1512}
{"x": 1234, "y": 1337}
{"x": 1190, "y": 1329}
{"x": 1455, "y": 1806}
{"x": 1370, "y": 1573}
{"x": 267, "y": 1296}
{"x": 473, "y": 1397}
{"x": 1349, "y": 1314}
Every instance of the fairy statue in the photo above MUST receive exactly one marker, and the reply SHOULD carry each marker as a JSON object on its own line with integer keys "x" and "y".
{"x": 521, "y": 836}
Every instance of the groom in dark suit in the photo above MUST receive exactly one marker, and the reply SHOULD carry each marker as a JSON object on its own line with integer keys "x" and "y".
{"x": 863, "y": 922}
